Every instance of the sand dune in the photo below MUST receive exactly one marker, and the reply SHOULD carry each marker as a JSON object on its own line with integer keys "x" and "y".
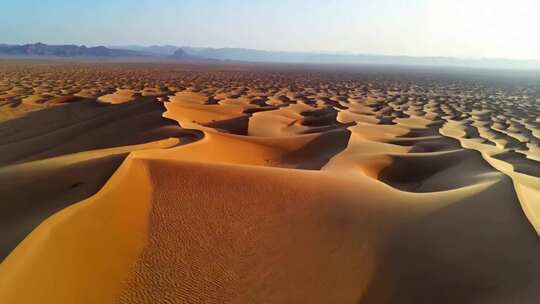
{"x": 245, "y": 184}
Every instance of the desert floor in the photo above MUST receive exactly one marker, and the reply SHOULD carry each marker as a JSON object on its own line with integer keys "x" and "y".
{"x": 164, "y": 183}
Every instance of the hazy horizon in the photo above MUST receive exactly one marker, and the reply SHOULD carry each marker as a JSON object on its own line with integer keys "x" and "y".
{"x": 421, "y": 28}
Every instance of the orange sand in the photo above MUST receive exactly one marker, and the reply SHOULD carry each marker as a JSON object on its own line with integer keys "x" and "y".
{"x": 205, "y": 186}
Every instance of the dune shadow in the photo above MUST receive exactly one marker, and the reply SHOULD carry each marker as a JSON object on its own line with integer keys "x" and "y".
{"x": 477, "y": 250}
{"x": 520, "y": 163}
{"x": 85, "y": 125}
{"x": 315, "y": 154}
{"x": 237, "y": 125}
{"x": 56, "y": 188}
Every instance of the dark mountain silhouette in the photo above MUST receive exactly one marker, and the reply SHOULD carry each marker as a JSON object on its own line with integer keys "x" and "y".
{"x": 181, "y": 55}
{"x": 41, "y": 49}
{"x": 159, "y": 50}
{"x": 67, "y": 51}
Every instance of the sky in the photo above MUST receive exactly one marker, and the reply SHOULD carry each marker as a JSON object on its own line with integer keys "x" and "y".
{"x": 455, "y": 28}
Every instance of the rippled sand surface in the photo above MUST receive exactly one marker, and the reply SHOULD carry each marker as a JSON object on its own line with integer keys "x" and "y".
{"x": 161, "y": 183}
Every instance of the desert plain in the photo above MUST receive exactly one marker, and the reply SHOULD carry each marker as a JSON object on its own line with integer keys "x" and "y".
{"x": 244, "y": 183}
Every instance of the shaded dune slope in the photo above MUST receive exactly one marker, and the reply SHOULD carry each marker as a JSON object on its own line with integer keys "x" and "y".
{"x": 72, "y": 153}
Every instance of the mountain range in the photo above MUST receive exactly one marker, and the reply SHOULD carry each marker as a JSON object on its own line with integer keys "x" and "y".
{"x": 41, "y": 49}
{"x": 174, "y": 53}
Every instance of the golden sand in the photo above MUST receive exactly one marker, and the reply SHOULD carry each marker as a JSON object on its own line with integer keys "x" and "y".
{"x": 242, "y": 184}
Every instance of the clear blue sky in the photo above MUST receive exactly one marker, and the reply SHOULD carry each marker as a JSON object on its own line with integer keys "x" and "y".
{"x": 461, "y": 28}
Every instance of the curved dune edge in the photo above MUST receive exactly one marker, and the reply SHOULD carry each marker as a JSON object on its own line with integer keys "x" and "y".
{"x": 120, "y": 96}
{"x": 527, "y": 187}
{"x": 56, "y": 183}
{"x": 72, "y": 250}
{"x": 145, "y": 221}
{"x": 93, "y": 242}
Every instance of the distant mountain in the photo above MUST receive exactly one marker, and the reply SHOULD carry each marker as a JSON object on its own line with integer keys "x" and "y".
{"x": 169, "y": 52}
{"x": 160, "y": 50}
{"x": 160, "y": 53}
{"x": 180, "y": 54}
{"x": 40, "y": 49}
{"x": 239, "y": 54}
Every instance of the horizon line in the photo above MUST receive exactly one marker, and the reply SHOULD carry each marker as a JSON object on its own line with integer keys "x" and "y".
{"x": 314, "y": 52}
